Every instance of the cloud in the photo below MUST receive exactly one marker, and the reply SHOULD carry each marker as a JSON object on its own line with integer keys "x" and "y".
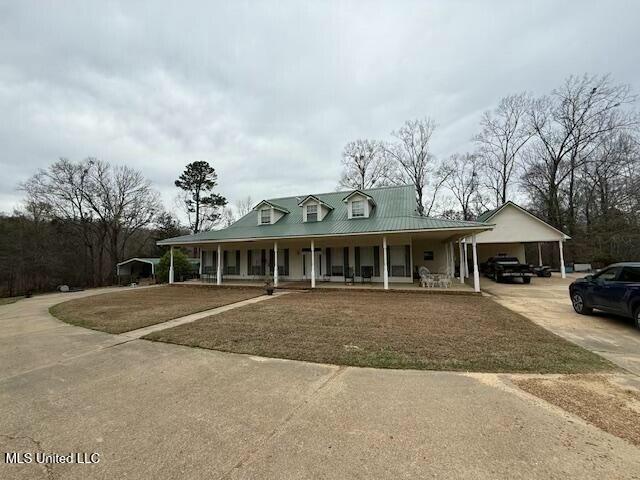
{"x": 269, "y": 92}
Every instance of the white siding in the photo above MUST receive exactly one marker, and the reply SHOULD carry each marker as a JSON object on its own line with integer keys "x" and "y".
{"x": 512, "y": 225}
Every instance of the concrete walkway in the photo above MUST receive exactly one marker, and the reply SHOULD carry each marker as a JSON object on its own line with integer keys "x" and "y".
{"x": 546, "y": 302}
{"x": 154, "y": 410}
{"x": 141, "y": 332}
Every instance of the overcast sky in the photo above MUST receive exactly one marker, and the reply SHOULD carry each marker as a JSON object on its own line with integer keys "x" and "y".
{"x": 269, "y": 92}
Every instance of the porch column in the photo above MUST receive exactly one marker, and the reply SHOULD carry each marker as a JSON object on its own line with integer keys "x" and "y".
{"x": 171, "y": 267}
{"x": 385, "y": 274}
{"x": 411, "y": 258}
{"x": 466, "y": 259}
{"x": 219, "y": 269}
{"x": 275, "y": 264}
{"x": 539, "y": 254}
{"x": 461, "y": 265}
{"x": 446, "y": 255}
{"x": 563, "y": 273}
{"x": 313, "y": 265}
{"x": 200, "y": 269}
{"x": 476, "y": 274}
{"x": 453, "y": 259}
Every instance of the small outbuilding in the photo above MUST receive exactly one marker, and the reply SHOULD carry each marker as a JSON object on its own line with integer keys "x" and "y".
{"x": 136, "y": 268}
{"x": 514, "y": 227}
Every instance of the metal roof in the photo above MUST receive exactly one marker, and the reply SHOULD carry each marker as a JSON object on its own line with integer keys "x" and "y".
{"x": 395, "y": 211}
{"x": 155, "y": 261}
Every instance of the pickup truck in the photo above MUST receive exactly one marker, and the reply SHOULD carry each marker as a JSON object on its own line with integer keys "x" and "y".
{"x": 614, "y": 289}
{"x": 505, "y": 268}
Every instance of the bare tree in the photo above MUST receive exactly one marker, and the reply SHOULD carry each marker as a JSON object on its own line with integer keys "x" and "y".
{"x": 464, "y": 182}
{"x": 228, "y": 217}
{"x": 568, "y": 126}
{"x": 63, "y": 188}
{"x": 244, "y": 206}
{"x": 123, "y": 201}
{"x": 364, "y": 165}
{"x": 106, "y": 205}
{"x": 505, "y": 132}
{"x": 416, "y": 165}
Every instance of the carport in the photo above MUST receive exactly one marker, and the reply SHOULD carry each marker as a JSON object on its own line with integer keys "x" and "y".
{"x": 514, "y": 227}
{"x": 137, "y": 267}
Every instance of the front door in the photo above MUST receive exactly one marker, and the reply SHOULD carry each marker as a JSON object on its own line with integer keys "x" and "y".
{"x": 306, "y": 264}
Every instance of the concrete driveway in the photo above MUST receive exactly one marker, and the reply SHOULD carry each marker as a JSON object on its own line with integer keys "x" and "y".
{"x": 155, "y": 410}
{"x": 546, "y": 302}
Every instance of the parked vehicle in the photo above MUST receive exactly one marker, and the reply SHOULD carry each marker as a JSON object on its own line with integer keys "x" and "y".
{"x": 505, "y": 268}
{"x": 542, "y": 271}
{"x": 615, "y": 289}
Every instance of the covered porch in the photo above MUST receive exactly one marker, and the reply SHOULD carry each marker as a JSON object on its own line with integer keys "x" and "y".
{"x": 357, "y": 260}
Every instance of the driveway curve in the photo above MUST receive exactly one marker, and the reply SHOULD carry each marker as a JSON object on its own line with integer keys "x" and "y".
{"x": 154, "y": 410}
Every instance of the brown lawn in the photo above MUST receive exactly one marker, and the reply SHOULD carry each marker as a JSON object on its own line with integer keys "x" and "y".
{"x": 611, "y": 407}
{"x": 388, "y": 330}
{"x": 132, "y": 309}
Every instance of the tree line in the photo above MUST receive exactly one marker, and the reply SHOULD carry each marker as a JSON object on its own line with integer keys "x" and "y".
{"x": 81, "y": 218}
{"x": 572, "y": 157}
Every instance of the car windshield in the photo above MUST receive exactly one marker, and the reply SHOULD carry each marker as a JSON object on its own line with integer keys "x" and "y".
{"x": 608, "y": 275}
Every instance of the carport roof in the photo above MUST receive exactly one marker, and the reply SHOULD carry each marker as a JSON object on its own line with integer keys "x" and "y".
{"x": 395, "y": 212}
{"x": 489, "y": 214}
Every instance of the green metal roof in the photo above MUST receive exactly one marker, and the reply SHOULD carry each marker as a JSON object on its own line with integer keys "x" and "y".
{"x": 484, "y": 216}
{"x": 395, "y": 211}
{"x": 155, "y": 260}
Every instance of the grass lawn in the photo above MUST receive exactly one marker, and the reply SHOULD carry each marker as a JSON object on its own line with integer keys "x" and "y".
{"x": 8, "y": 300}
{"x": 389, "y": 330}
{"x": 132, "y": 309}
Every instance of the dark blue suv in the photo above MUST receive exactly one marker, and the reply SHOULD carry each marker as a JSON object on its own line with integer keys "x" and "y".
{"x": 615, "y": 289}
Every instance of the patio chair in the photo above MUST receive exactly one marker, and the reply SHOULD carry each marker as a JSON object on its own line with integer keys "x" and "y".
{"x": 425, "y": 276}
{"x": 444, "y": 281}
{"x": 365, "y": 274}
{"x": 349, "y": 277}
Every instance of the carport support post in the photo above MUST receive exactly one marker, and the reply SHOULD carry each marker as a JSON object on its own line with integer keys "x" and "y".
{"x": 219, "y": 269}
{"x": 385, "y": 274}
{"x": 313, "y": 265}
{"x": 539, "y": 255}
{"x": 461, "y": 264}
{"x": 563, "y": 273}
{"x": 171, "y": 266}
{"x": 275, "y": 264}
{"x": 476, "y": 275}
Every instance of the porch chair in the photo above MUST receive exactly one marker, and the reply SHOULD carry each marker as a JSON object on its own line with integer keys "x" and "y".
{"x": 349, "y": 277}
{"x": 444, "y": 281}
{"x": 365, "y": 274}
{"x": 426, "y": 279}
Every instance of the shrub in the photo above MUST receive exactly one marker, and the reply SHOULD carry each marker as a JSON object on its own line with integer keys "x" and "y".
{"x": 181, "y": 266}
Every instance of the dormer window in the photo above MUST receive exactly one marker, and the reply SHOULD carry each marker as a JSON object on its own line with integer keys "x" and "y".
{"x": 359, "y": 204}
{"x": 312, "y": 213}
{"x": 314, "y": 209}
{"x": 265, "y": 216}
{"x": 357, "y": 208}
